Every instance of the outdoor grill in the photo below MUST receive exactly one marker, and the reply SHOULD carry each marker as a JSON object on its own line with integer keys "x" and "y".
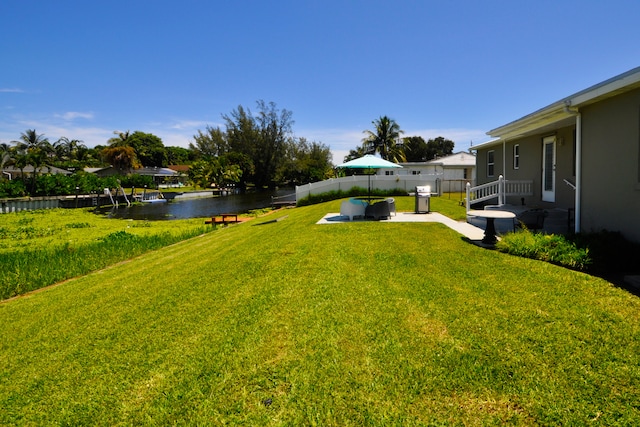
{"x": 423, "y": 198}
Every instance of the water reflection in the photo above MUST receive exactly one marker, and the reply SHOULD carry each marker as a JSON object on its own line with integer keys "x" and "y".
{"x": 196, "y": 208}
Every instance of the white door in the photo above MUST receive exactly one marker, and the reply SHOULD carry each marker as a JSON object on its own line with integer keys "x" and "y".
{"x": 549, "y": 169}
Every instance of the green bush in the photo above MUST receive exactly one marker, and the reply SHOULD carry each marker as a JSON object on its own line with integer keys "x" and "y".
{"x": 13, "y": 188}
{"x": 62, "y": 185}
{"x": 605, "y": 253}
{"x": 552, "y": 248}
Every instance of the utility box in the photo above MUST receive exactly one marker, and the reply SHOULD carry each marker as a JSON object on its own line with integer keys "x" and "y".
{"x": 423, "y": 199}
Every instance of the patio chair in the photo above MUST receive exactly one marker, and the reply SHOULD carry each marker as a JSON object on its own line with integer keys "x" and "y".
{"x": 392, "y": 205}
{"x": 352, "y": 208}
{"x": 378, "y": 211}
{"x": 532, "y": 219}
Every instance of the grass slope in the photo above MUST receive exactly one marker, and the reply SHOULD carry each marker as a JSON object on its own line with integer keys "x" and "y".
{"x": 292, "y": 323}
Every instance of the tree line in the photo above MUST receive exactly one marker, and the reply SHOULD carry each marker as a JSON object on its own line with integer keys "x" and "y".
{"x": 252, "y": 149}
{"x": 386, "y": 140}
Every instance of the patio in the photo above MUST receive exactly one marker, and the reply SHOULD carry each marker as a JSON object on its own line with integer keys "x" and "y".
{"x": 556, "y": 221}
{"x": 470, "y": 231}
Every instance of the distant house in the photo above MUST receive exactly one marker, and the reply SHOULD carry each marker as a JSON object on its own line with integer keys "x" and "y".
{"x": 454, "y": 170}
{"x": 11, "y": 172}
{"x": 581, "y": 153}
{"x": 160, "y": 175}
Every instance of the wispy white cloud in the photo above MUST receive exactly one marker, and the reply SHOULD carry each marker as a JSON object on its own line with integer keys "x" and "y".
{"x": 11, "y": 90}
{"x": 190, "y": 125}
{"x": 53, "y": 129}
{"x": 72, "y": 115}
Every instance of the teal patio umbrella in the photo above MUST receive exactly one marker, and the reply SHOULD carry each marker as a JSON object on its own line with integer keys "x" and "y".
{"x": 369, "y": 162}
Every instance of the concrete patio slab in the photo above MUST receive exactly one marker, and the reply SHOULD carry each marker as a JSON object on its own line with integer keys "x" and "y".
{"x": 468, "y": 230}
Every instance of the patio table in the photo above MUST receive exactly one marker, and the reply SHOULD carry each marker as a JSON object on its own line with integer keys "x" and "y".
{"x": 491, "y": 215}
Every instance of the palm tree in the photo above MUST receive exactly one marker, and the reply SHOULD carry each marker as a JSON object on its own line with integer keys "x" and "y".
{"x": 34, "y": 149}
{"x": 121, "y": 158}
{"x": 122, "y": 140}
{"x": 120, "y": 154}
{"x": 5, "y": 154}
{"x": 30, "y": 141}
{"x": 67, "y": 149}
{"x": 384, "y": 140}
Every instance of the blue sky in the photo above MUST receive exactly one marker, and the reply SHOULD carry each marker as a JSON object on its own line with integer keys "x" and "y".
{"x": 84, "y": 69}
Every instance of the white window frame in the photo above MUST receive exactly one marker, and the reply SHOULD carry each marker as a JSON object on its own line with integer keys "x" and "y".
{"x": 516, "y": 156}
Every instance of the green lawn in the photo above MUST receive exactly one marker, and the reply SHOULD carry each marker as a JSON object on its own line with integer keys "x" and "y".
{"x": 293, "y": 323}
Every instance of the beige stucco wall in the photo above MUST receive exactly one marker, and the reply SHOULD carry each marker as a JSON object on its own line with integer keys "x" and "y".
{"x": 611, "y": 183}
{"x": 610, "y": 165}
{"x": 531, "y": 166}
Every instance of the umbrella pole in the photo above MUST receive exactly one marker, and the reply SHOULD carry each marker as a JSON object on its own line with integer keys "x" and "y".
{"x": 369, "y": 175}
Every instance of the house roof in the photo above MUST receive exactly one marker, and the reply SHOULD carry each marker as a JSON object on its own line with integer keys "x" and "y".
{"x": 140, "y": 171}
{"x": 562, "y": 113}
{"x": 155, "y": 171}
{"x": 461, "y": 158}
{"x": 180, "y": 168}
{"x": 42, "y": 170}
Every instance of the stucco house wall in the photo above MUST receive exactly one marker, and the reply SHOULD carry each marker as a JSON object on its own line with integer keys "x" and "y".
{"x": 611, "y": 182}
{"x": 597, "y": 142}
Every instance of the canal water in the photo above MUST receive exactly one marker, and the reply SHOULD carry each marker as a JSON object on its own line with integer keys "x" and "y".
{"x": 200, "y": 207}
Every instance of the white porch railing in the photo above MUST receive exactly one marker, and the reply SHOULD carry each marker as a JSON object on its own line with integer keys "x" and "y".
{"x": 499, "y": 189}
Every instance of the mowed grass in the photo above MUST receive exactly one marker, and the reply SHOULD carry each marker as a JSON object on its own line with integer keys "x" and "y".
{"x": 293, "y": 323}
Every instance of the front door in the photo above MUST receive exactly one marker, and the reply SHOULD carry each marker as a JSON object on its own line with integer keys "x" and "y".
{"x": 549, "y": 169}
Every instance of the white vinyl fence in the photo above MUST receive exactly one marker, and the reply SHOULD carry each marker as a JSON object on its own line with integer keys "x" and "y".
{"x": 405, "y": 183}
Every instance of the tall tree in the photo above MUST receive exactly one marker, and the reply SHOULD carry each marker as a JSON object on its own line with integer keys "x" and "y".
{"x": 149, "y": 149}
{"x": 67, "y": 150}
{"x": 355, "y": 154}
{"x": 306, "y": 162}
{"x": 34, "y": 150}
{"x": 178, "y": 155}
{"x": 439, "y": 147}
{"x": 121, "y": 140}
{"x": 263, "y": 138}
{"x": 385, "y": 139}
{"x": 415, "y": 149}
{"x": 30, "y": 141}
{"x": 120, "y": 154}
{"x": 5, "y": 154}
{"x": 211, "y": 143}
{"x": 275, "y": 131}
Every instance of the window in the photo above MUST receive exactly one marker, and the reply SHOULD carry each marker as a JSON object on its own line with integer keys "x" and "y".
{"x": 388, "y": 173}
{"x": 516, "y": 156}
{"x": 465, "y": 173}
{"x": 490, "y": 163}
{"x": 415, "y": 172}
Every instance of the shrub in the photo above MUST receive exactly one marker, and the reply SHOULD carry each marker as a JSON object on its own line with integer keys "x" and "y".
{"x": 552, "y": 248}
{"x": 13, "y": 188}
